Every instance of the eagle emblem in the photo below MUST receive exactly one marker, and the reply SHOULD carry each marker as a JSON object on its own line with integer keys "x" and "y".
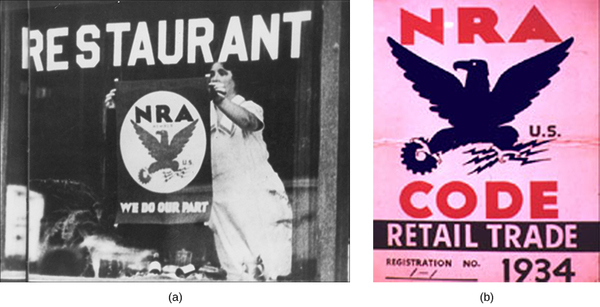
{"x": 477, "y": 115}
{"x": 163, "y": 152}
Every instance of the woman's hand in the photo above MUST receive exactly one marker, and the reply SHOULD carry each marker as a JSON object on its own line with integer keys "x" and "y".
{"x": 109, "y": 101}
{"x": 217, "y": 91}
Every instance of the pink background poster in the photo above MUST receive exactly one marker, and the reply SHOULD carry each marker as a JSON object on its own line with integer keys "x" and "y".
{"x": 549, "y": 230}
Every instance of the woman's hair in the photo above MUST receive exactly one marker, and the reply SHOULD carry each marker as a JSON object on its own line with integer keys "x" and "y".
{"x": 237, "y": 74}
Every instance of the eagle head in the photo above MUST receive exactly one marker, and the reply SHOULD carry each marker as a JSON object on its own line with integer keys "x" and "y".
{"x": 477, "y": 75}
{"x": 164, "y": 137}
{"x": 473, "y": 66}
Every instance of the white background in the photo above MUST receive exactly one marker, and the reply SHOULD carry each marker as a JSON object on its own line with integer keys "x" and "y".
{"x": 360, "y": 291}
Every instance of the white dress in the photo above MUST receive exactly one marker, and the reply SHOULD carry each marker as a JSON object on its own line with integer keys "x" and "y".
{"x": 251, "y": 215}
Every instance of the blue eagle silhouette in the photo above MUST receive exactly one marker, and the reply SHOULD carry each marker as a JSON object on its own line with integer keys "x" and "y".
{"x": 163, "y": 152}
{"x": 477, "y": 115}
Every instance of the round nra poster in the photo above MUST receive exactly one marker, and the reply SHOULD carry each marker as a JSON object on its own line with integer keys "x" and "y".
{"x": 163, "y": 142}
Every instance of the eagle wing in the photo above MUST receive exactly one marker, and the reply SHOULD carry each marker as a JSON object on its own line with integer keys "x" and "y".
{"x": 180, "y": 139}
{"x": 155, "y": 149}
{"x": 521, "y": 83}
{"x": 440, "y": 87}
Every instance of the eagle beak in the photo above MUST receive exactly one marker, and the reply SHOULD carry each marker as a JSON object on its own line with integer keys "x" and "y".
{"x": 462, "y": 65}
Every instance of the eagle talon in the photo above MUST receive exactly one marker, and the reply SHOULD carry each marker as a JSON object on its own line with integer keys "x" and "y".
{"x": 503, "y": 154}
{"x": 423, "y": 152}
{"x": 421, "y": 142}
{"x": 438, "y": 157}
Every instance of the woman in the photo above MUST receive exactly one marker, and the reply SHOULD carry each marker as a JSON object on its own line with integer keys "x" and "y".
{"x": 251, "y": 215}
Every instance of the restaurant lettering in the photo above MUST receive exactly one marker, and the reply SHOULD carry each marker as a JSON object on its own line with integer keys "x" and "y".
{"x": 144, "y": 51}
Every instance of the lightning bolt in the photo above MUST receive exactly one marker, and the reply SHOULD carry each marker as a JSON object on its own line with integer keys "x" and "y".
{"x": 481, "y": 168}
{"x": 487, "y": 158}
{"x": 480, "y": 155}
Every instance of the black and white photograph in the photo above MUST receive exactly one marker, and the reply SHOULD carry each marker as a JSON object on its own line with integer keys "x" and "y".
{"x": 175, "y": 141}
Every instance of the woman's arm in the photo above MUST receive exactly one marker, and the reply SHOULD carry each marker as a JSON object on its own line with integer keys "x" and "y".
{"x": 240, "y": 116}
